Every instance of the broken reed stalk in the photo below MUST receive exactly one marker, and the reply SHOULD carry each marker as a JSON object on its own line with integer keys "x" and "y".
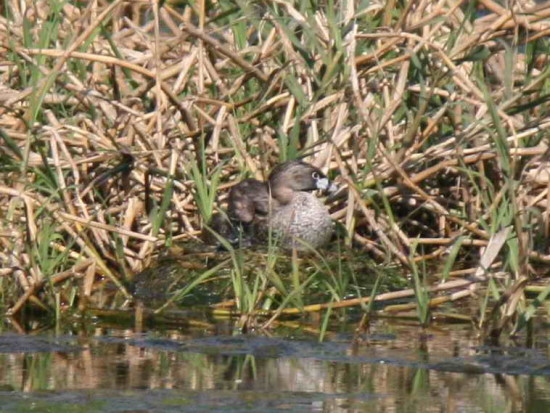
{"x": 395, "y": 295}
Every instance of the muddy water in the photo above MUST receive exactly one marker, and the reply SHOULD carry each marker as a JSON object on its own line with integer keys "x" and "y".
{"x": 393, "y": 368}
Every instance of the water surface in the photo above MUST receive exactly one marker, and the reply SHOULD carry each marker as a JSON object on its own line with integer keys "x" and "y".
{"x": 395, "y": 367}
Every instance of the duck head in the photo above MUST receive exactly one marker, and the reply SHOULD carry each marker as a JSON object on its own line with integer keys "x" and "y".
{"x": 296, "y": 176}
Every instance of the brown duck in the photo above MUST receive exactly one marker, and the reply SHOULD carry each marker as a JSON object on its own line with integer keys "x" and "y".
{"x": 284, "y": 206}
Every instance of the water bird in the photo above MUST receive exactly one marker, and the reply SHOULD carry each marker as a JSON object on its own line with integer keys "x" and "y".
{"x": 285, "y": 207}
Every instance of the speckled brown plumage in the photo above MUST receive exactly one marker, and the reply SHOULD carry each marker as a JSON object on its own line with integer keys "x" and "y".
{"x": 284, "y": 206}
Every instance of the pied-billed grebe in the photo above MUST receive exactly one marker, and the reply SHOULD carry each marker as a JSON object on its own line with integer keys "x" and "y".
{"x": 284, "y": 206}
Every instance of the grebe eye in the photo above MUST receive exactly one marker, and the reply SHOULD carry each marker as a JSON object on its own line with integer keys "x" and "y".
{"x": 315, "y": 175}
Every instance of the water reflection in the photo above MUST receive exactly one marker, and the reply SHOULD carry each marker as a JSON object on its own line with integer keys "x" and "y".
{"x": 394, "y": 369}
